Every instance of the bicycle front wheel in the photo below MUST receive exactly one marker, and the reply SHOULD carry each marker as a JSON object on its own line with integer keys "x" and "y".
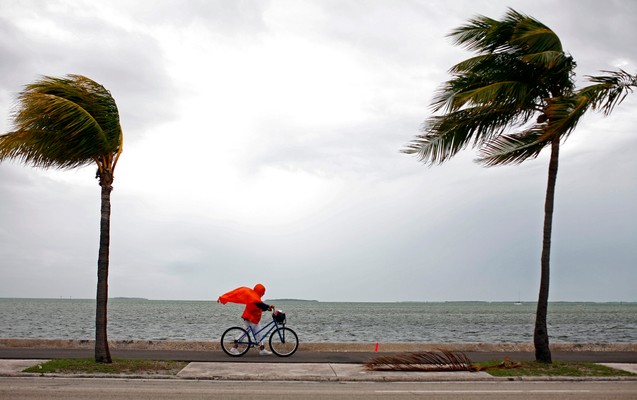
{"x": 284, "y": 342}
{"x": 235, "y": 341}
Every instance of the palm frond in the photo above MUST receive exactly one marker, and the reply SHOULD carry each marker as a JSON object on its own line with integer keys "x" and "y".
{"x": 471, "y": 64}
{"x": 513, "y": 148}
{"x": 609, "y": 90}
{"x": 531, "y": 36}
{"x": 517, "y": 81}
{"x": 548, "y": 59}
{"x": 461, "y": 93}
{"x": 486, "y": 35}
{"x": 433, "y": 148}
{"x": 515, "y": 33}
{"x": 492, "y": 81}
{"x": 563, "y": 114}
{"x": 444, "y": 136}
{"x": 513, "y": 93}
{"x": 472, "y": 33}
{"x": 442, "y": 360}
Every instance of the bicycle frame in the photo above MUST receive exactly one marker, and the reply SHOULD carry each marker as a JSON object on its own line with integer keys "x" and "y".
{"x": 272, "y": 325}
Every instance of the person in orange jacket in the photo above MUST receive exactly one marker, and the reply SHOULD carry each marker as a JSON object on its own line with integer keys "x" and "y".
{"x": 252, "y": 312}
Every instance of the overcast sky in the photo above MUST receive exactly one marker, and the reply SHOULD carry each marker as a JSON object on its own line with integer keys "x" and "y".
{"x": 262, "y": 144}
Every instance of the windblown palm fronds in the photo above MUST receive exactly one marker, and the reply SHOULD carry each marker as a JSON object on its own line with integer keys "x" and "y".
{"x": 64, "y": 123}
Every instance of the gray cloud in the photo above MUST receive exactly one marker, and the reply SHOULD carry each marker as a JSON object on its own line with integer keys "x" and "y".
{"x": 72, "y": 40}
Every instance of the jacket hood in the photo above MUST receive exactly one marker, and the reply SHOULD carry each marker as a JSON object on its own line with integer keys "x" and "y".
{"x": 259, "y": 289}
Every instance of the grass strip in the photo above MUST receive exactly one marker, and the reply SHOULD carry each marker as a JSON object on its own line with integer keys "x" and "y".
{"x": 557, "y": 368}
{"x": 118, "y": 366}
{"x": 152, "y": 367}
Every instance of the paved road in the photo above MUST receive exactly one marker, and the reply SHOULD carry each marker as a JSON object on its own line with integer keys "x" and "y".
{"x": 102, "y": 389}
{"x": 299, "y": 357}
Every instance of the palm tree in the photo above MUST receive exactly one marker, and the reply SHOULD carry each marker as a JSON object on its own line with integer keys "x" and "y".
{"x": 67, "y": 123}
{"x": 561, "y": 116}
{"x": 520, "y": 81}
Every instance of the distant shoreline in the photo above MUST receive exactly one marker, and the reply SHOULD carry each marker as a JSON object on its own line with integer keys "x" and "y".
{"x": 524, "y": 302}
{"x": 294, "y": 300}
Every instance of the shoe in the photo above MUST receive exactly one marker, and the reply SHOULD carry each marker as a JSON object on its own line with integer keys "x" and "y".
{"x": 234, "y": 351}
{"x": 264, "y": 352}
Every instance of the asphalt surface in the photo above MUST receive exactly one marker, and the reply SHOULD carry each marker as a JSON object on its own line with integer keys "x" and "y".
{"x": 345, "y": 357}
{"x": 44, "y": 388}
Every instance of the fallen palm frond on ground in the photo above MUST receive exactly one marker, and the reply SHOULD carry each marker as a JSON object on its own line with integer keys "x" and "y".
{"x": 441, "y": 360}
{"x": 444, "y": 360}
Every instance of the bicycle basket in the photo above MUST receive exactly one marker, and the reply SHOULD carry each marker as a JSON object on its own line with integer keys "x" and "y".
{"x": 279, "y": 316}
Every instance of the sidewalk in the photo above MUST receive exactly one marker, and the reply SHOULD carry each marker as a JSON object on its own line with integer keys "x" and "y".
{"x": 315, "y": 372}
{"x": 292, "y": 372}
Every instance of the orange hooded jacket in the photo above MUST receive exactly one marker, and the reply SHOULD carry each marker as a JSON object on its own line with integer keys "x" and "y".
{"x": 251, "y": 298}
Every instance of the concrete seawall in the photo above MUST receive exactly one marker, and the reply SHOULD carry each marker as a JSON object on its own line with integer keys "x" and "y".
{"x": 320, "y": 346}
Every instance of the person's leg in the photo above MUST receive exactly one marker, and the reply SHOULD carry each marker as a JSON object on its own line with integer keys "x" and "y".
{"x": 258, "y": 336}
{"x": 235, "y": 346}
{"x": 255, "y": 331}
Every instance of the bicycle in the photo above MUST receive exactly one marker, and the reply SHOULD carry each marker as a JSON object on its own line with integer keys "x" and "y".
{"x": 283, "y": 340}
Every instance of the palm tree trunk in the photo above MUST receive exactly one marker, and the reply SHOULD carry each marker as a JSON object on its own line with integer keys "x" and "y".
{"x": 102, "y": 353}
{"x": 540, "y": 335}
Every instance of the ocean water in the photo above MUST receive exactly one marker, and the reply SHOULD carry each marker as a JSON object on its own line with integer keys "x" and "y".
{"x": 132, "y": 319}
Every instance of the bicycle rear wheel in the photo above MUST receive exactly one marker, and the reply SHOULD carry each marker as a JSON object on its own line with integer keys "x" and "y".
{"x": 284, "y": 342}
{"x": 235, "y": 341}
